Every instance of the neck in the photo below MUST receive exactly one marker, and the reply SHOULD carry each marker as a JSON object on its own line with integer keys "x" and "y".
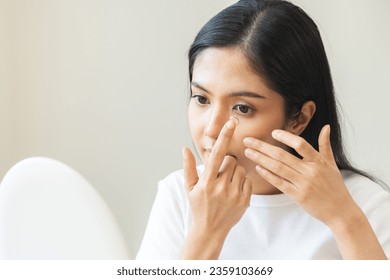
{"x": 262, "y": 187}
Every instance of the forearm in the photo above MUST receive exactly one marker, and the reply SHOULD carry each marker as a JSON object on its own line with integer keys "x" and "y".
{"x": 202, "y": 245}
{"x": 356, "y": 238}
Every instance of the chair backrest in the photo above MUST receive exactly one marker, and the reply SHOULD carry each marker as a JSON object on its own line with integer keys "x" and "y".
{"x": 49, "y": 211}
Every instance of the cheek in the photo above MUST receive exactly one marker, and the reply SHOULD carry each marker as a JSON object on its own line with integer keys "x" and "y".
{"x": 191, "y": 119}
{"x": 261, "y": 126}
{"x": 255, "y": 130}
{"x": 195, "y": 125}
{"x": 246, "y": 129}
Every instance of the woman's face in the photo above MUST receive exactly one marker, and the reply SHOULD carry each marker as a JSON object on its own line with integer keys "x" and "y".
{"x": 224, "y": 85}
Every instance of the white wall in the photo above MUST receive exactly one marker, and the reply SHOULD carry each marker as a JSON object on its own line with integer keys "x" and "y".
{"x": 356, "y": 35}
{"x": 4, "y": 87}
{"x": 102, "y": 86}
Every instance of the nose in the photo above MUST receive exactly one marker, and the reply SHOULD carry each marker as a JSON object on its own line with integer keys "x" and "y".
{"x": 215, "y": 123}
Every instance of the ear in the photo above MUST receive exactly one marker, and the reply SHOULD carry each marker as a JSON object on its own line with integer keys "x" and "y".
{"x": 298, "y": 124}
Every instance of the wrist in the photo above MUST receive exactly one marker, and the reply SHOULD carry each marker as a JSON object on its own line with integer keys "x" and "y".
{"x": 348, "y": 221}
{"x": 355, "y": 236}
{"x": 203, "y": 243}
{"x": 215, "y": 232}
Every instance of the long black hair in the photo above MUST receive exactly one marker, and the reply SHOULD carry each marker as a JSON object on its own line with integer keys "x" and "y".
{"x": 283, "y": 45}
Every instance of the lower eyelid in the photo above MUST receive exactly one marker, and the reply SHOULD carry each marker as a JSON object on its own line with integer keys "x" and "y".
{"x": 196, "y": 99}
{"x": 251, "y": 110}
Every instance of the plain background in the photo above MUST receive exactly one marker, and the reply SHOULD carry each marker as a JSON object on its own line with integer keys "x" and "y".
{"x": 102, "y": 85}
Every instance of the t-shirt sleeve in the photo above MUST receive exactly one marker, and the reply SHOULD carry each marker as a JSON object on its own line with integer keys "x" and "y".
{"x": 375, "y": 203}
{"x": 166, "y": 228}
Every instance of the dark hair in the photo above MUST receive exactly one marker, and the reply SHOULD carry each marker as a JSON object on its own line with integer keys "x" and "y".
{"x": 284, "y": 46}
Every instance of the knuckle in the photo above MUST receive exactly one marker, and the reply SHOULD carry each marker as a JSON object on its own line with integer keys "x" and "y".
{"x": 218, "y": 192}
{"x": 230, "y": 160}
{"x": 207, "y": 183}
{"x": 300, "y": 144}
{"x": 218, "y": 152}
{"x": 323, "y": 163}
{"x": 278, "y": 153}
{"x": 314, "y": 173}
{"x": 257, "y": 158}
{"x": 256, "y": 145}
{"x": 276, "y": 167}
{"x": 240, "y": 170}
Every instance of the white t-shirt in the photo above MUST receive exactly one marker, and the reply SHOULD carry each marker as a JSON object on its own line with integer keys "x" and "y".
{"x": 273, "y": 227}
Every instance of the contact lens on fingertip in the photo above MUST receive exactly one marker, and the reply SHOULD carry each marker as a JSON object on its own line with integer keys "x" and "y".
{"x": 234, "y": 117}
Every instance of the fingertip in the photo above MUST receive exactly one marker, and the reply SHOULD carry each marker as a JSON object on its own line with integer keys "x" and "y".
{"x": 275, "y": 133}
{"x": 187, "y": 154}
{"x": 328, "y": 129}
{"x": 235, "y": 120}
{"x": 189, "y": 167}
{"x": 187, "y": 157}
{"x": 260, "y": 170}
{"x": 325, "y": 145}
{"x": 325, "y": 132}
{"x": 184, "y": 151}
{"x": 248, "y": 141}
{"x": 231, "y": 124}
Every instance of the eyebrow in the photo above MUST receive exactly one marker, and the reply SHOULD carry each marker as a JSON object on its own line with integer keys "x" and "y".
{"x": 233, "y": 94}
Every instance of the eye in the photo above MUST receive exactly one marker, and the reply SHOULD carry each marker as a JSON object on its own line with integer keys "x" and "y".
{"x": 243, "y": 109}
{"x": 200, "y": 99}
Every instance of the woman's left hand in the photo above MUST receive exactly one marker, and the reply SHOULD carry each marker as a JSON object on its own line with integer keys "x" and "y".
{"x": 314, "y": 182}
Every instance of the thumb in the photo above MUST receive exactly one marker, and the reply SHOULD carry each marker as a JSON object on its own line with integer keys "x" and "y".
{"x": 190, "y": 172}
{"x": 324, "y": 144}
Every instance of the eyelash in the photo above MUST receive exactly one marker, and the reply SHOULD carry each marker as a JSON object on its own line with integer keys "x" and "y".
{"x": 197, "y": 97}
{"x": 250, "y": 109}
{"x": 249, "y": 112}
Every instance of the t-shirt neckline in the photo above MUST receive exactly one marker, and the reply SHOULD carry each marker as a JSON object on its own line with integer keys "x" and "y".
{"x": 274, "y": 200}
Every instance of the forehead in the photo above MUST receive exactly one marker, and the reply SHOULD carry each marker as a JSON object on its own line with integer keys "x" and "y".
{"x": 226, "y": 70}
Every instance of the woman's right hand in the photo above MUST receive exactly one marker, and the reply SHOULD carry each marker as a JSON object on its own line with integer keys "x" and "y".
{"x": 218, "y": 198}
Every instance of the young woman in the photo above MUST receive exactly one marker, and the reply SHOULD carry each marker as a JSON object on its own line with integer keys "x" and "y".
{"x": 275, "y": 182}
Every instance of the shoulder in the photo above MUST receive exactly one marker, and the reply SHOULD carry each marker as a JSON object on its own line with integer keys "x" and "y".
{"x": 374, "y": 200}
{"x": 173, "y": 180}
{"x": 357, "y": 183}
{"x": 365, "y": 192}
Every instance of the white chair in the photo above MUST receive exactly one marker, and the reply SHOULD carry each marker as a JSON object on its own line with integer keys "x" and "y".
{"x": 48, "y": 211}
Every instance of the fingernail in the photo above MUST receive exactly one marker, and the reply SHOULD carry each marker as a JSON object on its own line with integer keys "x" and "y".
{"x": 230, "y": 124}
{"x": 275, "y": 133}
{"x": 184, "y": 153}
{"x": 249, "y": 153}
{"x": 328, "y": 127}
{"x": 261, "y": 170}
{"x": 248, "y": 141}
{"x": 235, "y": 119}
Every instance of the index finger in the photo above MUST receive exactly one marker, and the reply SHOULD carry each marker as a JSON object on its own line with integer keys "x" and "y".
{"x": 219, "y": 150}
{"x": 297, "y": 143}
